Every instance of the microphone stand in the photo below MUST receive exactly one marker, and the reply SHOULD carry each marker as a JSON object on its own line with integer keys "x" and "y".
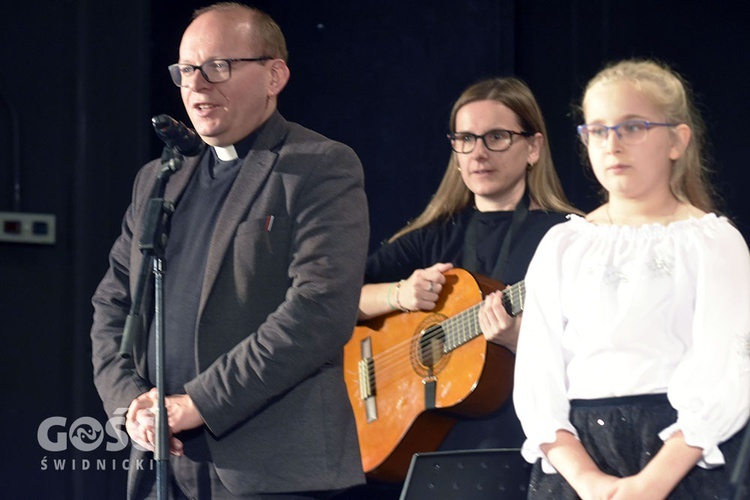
{"x": 152, "y": 244}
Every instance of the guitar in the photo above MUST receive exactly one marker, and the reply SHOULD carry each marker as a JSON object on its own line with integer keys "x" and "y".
{"x": 410, "y": 376}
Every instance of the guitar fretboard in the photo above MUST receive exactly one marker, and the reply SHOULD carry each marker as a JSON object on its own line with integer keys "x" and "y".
{"x": 464, "y": 326}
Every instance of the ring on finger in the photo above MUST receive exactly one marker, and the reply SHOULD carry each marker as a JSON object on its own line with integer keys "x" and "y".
{"x": 432, "y": 286}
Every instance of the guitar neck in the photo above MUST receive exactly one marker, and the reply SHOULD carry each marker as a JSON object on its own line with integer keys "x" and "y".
{"x": 464, "y": 326}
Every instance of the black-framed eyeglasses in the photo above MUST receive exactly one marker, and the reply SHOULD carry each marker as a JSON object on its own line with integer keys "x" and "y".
{"x": 213, "y": 71}
{"x": 630, "y": 132}
{"x": 494, "y": 140}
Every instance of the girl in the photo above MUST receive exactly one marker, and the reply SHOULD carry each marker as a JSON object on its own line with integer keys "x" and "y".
{"x": 633, "y": 365}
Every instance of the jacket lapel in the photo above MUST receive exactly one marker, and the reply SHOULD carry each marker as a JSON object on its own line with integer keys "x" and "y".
{"x": 179, "y": 180}
{"x": 256, "y": 168}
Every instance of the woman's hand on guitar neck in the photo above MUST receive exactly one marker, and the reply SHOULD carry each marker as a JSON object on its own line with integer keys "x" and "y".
{"x": 496, "y": 324}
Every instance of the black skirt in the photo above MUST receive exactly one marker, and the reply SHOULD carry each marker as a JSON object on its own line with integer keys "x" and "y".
{"x": 622, "y": 435}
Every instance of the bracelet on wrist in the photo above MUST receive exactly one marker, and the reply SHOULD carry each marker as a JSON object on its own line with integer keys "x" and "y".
{"x": 388, "y": 296}
{"x": 397, "y": 300}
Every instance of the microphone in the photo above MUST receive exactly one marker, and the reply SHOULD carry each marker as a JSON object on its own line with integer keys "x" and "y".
{"x": 177, "y": 135}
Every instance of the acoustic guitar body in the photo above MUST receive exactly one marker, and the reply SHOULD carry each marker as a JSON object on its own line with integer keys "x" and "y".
{"x": 410, "y": 376}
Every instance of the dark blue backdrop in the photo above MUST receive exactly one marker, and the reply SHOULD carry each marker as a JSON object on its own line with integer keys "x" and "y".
{"x": 84, "y": 78}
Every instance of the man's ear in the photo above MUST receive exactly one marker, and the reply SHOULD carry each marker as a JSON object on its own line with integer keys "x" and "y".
{"x": 279, "y": 77}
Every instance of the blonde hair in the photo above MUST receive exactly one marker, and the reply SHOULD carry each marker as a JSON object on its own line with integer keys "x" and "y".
{"x": 267, "y": 33}
{"x": 542, "y": 182}
{"x": 667, "y": 89}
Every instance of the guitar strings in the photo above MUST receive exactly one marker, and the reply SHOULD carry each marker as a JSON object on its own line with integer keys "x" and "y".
{"x": 454, "y": 337}
{"x": 388, "y": 365}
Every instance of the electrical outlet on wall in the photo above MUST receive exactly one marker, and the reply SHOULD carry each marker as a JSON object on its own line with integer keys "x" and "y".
{"x": 23, "y": 227}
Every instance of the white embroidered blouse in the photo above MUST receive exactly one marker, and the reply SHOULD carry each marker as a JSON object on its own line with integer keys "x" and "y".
{"x": 616, "y": 311}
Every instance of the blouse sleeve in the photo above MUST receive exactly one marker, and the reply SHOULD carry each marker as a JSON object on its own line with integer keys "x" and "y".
{"x": 710, "y": 388}
{"x": 539, "y": 393}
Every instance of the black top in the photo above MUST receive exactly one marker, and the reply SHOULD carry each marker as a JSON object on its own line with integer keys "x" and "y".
{"x": 444, "y": 241}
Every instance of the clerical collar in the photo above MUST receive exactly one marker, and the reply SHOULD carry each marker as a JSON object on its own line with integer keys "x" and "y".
{"x": 236, "y": 151}
{"x": 228, "y": 153}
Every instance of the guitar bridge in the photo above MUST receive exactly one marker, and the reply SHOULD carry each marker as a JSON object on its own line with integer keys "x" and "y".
{"x": 367, "y": 386}
{"x": 366, "y": 378}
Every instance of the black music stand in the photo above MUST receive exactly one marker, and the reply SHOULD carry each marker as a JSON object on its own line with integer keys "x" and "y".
{"x": 497, "y": 473}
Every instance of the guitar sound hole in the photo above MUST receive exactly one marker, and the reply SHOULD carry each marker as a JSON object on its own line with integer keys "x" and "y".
{"x": 431, "y": 346}
{"x": 427, "y": 347}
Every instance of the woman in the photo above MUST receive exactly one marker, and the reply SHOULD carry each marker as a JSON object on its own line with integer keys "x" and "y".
{"x": 499, "y": 196}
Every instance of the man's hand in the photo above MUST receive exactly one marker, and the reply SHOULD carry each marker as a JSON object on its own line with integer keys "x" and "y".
{"x": 182, "y": 413}
{"x": 140, "y": 423}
